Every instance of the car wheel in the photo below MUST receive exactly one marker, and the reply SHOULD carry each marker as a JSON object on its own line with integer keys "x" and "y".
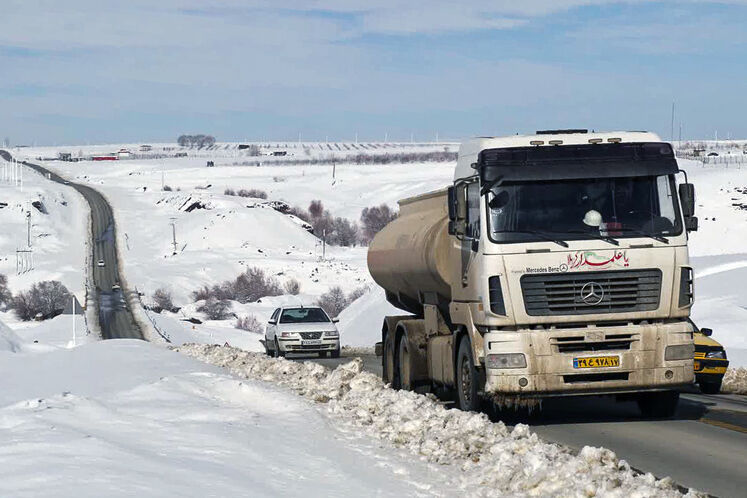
{"x": 336, "y": 353}
{"x": 322, "y": 354}
{"x": 467, "y": 378}
{"x": 658, "y": 404}
{"x": 710, "y": 387}
{"x": 403, "y": 359}
{"x": 278, "y": 353}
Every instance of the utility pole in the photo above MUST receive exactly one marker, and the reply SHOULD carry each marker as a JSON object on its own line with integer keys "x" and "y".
{"x": 28, "y": 231}
{"x": 163, "y": 175}
{"x": 173, "y": 233}
{"x": 333, "y": 169}
{"x": 324, "y": 244}
{"x": 671, "y": 134}
{"x": 74, "y": 338}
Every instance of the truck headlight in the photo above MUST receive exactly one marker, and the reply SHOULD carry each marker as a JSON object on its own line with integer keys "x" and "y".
{"x": 506, "y": 360}
{"x": 332, "y": 333}
{"x": 717, "y": 354}
{"x": 679, "y": 352}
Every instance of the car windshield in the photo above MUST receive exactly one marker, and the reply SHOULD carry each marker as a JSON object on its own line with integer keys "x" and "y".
{"x": 303, "y": 315}
{"x": 574, "y": 209}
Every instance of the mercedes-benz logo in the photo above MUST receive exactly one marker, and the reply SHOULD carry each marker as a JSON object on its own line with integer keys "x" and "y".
{"x": 592, "y": 293}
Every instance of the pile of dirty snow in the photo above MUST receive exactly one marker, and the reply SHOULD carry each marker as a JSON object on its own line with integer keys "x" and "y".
{"x": 735, "y": 381}
{"x": 493, "y": 459}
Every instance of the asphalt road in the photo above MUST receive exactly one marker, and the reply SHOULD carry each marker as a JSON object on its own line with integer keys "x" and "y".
{"x": 115, "y": 317}
{"x": 704, "y": 446}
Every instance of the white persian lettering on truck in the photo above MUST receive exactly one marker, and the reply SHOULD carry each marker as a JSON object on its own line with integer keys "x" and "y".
{"x": 556, "y": 264}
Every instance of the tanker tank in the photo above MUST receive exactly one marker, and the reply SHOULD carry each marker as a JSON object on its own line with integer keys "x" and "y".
{"x": 410, "y": 256}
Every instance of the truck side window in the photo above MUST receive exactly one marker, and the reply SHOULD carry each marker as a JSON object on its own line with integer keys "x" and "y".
{"x": 473, "y": 210}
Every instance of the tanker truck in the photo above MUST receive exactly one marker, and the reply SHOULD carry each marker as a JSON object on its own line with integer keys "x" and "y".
{"x": 555, "y": 264}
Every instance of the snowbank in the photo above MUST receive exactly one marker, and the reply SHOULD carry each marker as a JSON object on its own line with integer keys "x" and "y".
{"x": 493, "y": 459}
{"x": 9, "y": 341}
{"x": 735, "y": 381}
{"x": 360, "y": 323}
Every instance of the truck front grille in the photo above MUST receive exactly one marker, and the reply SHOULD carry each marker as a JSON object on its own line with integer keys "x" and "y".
{"x": 582, "y": 293}
{"x": 310, "y": 335}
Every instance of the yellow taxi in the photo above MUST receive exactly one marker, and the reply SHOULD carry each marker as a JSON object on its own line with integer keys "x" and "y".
{"x": 710, "y": 361}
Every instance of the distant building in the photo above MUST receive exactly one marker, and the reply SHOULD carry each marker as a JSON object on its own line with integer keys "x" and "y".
{"x": 109, "y": 157}
{"x": 146, "y": 148}
{"x": 123, "y": 153}
{"x": 280, "y": 153}
{"x": 65, "y": 156}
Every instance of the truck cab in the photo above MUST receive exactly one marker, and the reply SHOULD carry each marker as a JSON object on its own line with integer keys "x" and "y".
{"x": 563, "y": 270}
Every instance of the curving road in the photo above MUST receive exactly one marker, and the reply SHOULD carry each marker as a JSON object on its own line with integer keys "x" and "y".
{"x": 115, "y": 317}
{"x": 704, "y": 446}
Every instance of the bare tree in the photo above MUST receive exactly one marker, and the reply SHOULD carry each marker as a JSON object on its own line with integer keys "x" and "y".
{"x": 6, "y": 297}
{"x": 333, "y": 301}
{"x": 292, "y": 286}
{"x": 375, "y": 218}
{"x": 162, "y": 300}
{"x": 250, "y": 324}
{"x": 216, "y": 309}
{"x": 343, "y": 232}
{"x": 47, "y": 298}
{"x": 316, "y": 209}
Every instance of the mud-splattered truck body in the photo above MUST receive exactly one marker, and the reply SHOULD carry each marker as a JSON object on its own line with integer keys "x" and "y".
{"x": 555, "y": 264}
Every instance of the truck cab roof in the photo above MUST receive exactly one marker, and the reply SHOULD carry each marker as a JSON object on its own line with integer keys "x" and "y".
{"x": 469, "y": 150}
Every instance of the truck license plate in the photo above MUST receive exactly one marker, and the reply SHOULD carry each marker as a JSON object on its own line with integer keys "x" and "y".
{"x": 311, "y": 342}
{"x": 596, "y": 362}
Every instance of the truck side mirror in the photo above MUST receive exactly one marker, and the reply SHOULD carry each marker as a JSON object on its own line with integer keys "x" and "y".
{"x": 706, "y": 332}
{"x": 691, "y": 223}
{"x": 687, "y": 198}
{"x": 451, "y": 200}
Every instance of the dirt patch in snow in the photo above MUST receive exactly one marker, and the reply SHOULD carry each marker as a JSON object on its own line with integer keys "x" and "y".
{"x": 735, "y": 381}
{"x": 493, "y": 459}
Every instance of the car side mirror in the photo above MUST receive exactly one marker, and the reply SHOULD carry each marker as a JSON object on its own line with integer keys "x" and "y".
{"x": 272, "y": 322}
{"x": 335, "y": 320}
{"x": 706, "y": 332}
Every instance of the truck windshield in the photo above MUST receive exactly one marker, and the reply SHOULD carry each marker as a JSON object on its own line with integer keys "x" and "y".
{"x": 643, "y": 206}
{"x": 304, "y": 315}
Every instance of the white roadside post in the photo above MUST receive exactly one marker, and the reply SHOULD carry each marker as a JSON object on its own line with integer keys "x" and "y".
{"x": 74, "y": 337}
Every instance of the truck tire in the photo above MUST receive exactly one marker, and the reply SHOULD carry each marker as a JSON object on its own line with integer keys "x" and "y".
{"x": 658, "y": 404}
{"x": 467, "y": 378}
{"x": 403, "y": 365}
{"x": 278, "y": 353}
{"x": 387, "y": 359}
{"x": 710, "y": 387}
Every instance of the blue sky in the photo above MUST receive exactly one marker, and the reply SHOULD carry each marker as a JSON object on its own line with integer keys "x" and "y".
{"x": 91, "y": 71}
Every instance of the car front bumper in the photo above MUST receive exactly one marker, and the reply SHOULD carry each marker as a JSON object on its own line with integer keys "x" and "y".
{"x": 295, "y": 345}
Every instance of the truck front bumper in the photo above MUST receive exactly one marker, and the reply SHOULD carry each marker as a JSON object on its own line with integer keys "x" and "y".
{"x": 551, "y": 370}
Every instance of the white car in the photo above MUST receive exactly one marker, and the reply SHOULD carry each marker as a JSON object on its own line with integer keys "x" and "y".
{"x": 101, "y": 263}
{"x": 300, "y": 329}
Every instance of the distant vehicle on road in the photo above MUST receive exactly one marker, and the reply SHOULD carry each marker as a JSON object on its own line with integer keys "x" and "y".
{"x": 116, "y": 287}
{"x": 302, "y": 329}
{"x": 101, "y": 263}
{"x": 710, "y": 361}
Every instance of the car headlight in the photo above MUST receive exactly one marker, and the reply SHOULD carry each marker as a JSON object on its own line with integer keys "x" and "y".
{"x": 506, "y": 360}
{"x": 287, "y": 334}
{"x": 332, "y": 333}
{"x": 679, "y": 352}
{"x": 717, "y": 354}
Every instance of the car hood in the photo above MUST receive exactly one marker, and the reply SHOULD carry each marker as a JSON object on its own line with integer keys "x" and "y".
{"x": 702, "y": 340}
{"x": 306, "y": 327}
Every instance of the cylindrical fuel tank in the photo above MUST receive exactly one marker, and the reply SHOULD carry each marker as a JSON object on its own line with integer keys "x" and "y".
{"x": 410, "y": 256}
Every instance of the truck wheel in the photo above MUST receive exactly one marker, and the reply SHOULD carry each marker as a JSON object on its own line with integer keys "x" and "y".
{"x": 278, "y": 353}
{"x": 467, "y": 378}
{"x": 658, "y": 404}
{"x": 710, "y": 387}
{"x": 403, "y": 357}
{"x": 387, "y": 360}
